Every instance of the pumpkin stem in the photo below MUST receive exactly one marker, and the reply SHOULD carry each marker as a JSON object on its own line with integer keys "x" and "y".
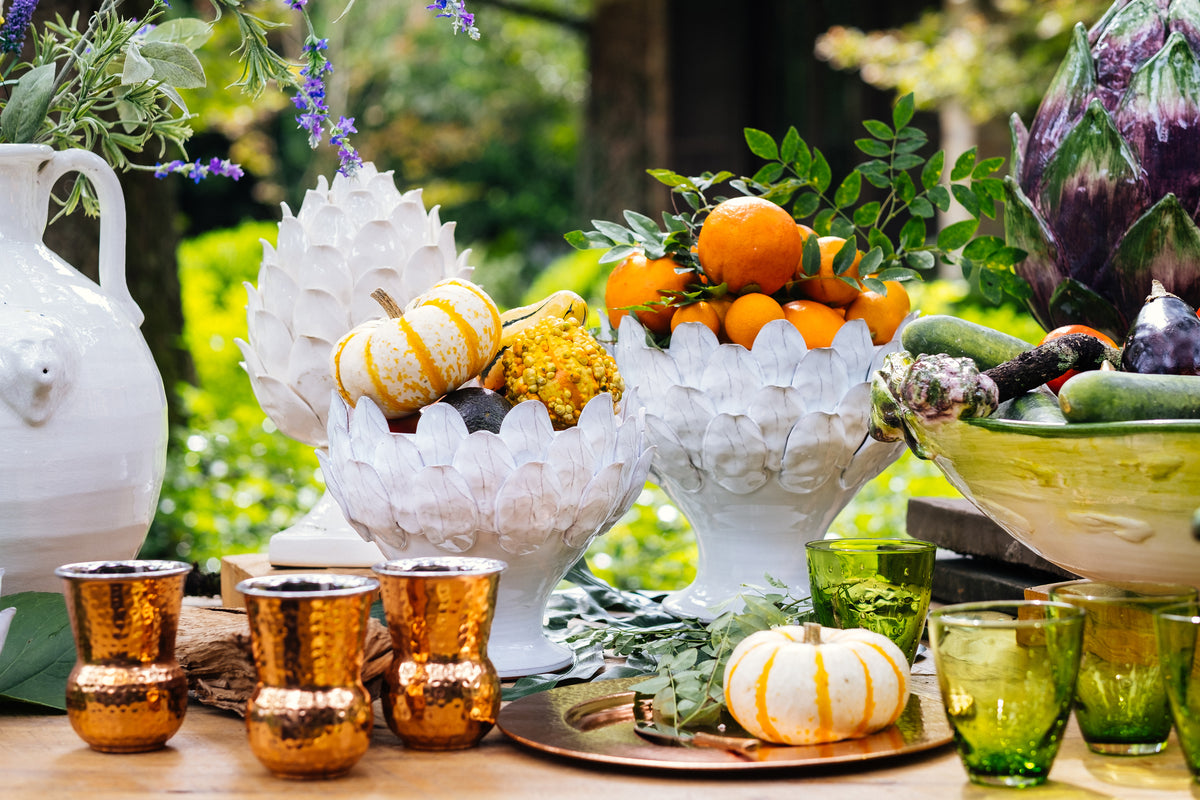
{"x": 812, "y": 633}
{"x": 389, "y": 305}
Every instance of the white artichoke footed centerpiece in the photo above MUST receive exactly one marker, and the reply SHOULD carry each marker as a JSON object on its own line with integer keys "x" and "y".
{"x": 347, "y": 240}
{"x": 530, "y": 496}
{"x": 760, "y": 449}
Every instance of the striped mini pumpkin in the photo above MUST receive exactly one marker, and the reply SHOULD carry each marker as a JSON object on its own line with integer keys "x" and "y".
{"x": 807, "y": 685}
{"x": 441, "y": 340}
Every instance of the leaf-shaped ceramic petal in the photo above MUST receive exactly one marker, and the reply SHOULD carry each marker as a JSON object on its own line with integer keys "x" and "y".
{"x": 440, "y": 431}
{"x": 687, "y": 412}
{"x": 598, "y": 426}
{"x": 527, "y": 508}
{"x": 308, "y": 373}
{"x": 777, "y": 348}
{"x": 271, "y": 339}
{"x": 274, "y": 283}
{"x": 671, "y": 457}
{"x": 527, "y": 431}
{"x": 572, "y": 455}
{"x": 691, "y": 350}
{"x": 600, "y": 494}
{"x": 445, "y": 509}
{"x": 423, "y": 269}
{"x": 633, "y": 478}
{"x": 286, "y": 409}
{"x": 320, "y": 315}
{"x": 810, "y": 456}
{"x": 484, "y": 462}
{"x": 731, "y": 378}
{"x": 822, "y": 379}
{"x": 869, "y": 460}
{"x": 324, "y": 268}
{"x": 734, "y": 453}
{"x": 853, "y": 345}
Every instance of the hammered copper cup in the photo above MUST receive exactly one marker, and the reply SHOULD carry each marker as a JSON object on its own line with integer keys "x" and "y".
{"x": 441, "y": 692}
{"x": 126, "y": 693}
{"x": 310, "y": 714}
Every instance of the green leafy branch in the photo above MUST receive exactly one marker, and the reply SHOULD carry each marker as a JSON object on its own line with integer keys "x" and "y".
{"x": 908, "y": 191}
{"x": 689, "y": 656}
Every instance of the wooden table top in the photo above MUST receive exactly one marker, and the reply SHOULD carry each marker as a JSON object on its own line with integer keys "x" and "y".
{"x": 41, "y": 758}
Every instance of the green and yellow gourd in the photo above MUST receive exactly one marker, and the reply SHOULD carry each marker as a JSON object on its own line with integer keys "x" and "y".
{"x": 409, "y": 359}
{"x": 810, "y": 685}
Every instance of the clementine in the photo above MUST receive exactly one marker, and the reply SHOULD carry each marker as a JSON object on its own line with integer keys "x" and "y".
{"x": 703, "y": 312}
{"x": 637, "y": 281}
{"x": 883, "y": 313}
{"x": 817, "y": 322}
{"x": 828, "y": 287}
{"x": 749, "y": 241}
{"x": 746, "y": 316}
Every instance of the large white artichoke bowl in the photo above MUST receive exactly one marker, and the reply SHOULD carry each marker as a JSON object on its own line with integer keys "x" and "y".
{"x": 347, "y": 239}
{"x": 760, "y": 449}
{"x": 530, "y": 496}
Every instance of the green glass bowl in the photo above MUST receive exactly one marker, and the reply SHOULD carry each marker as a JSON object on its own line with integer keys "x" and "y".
{"x": 1107, "y": 501}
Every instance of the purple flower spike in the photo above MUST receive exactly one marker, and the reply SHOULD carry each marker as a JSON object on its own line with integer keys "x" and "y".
{"x": 16, "y": 24}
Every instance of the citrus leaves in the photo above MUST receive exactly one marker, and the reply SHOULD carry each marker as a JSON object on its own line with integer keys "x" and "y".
{"x": 885, "y": 206}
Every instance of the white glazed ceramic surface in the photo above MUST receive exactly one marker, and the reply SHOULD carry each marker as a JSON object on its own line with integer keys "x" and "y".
{"x": 83, "y": 424}
{"x": 530, "y": 496}
{"x": 1108, "y": 501}
{"x": 347, "y": 240}
{"x": 760, "y": 448}
{"x": 6, "y": 616}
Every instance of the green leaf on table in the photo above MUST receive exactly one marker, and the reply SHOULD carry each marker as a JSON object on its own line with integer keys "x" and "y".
{"x": 27, "y": 106}
{"x": 39, "y": 652}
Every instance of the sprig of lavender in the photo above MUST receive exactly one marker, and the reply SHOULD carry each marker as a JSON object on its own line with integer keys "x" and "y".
{"x": 198, "y": 170}
{"x": 460, "y": 18}
{"x": 16, "y": 24}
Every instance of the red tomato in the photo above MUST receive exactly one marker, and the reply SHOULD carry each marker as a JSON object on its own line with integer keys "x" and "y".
{"x": 1057, "y": 383}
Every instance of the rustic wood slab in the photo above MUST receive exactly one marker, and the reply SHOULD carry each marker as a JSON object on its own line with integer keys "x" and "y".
{"x": 235, "y": 569}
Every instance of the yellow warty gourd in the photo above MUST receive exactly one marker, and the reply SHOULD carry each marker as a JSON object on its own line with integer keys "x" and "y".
{"x": 441, "y": 340}
{"x": 808, "y": 685}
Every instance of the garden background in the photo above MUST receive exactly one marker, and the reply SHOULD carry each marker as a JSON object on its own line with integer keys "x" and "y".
{"x": 548, "y": 121}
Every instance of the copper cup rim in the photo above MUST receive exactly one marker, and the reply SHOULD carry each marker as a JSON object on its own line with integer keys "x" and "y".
{"x": 440, "y": 566}
{"x": 122, "y": 570}
{"x": 874, "y": 546}
{"x": 959, "y": 614}
{"x": 1128, "y": 593}
{"x": 302, "y": 585}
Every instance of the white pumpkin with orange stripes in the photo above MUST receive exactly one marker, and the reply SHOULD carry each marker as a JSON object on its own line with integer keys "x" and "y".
{"x": 409, "y": 359}
{"x": 808, "y": 684}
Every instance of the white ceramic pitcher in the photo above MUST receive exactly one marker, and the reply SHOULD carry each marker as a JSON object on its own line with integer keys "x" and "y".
{"x": 83, "y": 415}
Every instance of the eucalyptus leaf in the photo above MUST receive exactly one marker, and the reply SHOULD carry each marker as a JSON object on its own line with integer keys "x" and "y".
{"x": 39, "y": 652}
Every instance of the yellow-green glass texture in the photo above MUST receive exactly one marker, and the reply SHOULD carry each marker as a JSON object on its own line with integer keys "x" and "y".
{"x": 1120, "y": 701}
{"x": 1007, "y": 676}
{"x": 883, "y": 585}
{"x": 441, "y": 692}
{"x": 126, "y": 692}
{"x": 1178, "y": 632}
{"x": 310, "y": 715}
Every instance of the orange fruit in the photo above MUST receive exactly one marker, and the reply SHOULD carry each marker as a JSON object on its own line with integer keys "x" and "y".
{"x": 746, "y": 316}
{"x": 637, "y": 281}
{"x": 703, "y": 312}
{"x": 827, "y": 287}
{"x": 817, "y": 322}
{"x": 805, "y": 231}
{"x": 882, "y": 313}
{"x": 748, "y": 241}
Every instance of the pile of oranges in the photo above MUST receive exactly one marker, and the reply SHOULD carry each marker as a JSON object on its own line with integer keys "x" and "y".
{"x": 755, "y": 248}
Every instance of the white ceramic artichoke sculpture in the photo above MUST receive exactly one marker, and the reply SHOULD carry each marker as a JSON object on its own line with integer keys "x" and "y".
{"x": 348, "y": 239}
{"x": 760, "y": 448}
{"x": 530, "y": 496}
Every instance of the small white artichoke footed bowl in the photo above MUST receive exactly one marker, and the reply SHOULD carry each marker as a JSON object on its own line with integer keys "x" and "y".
{"x": 347, "y": 239}
{"x": 759, "y": 448}
{"x": 530, "y": 496}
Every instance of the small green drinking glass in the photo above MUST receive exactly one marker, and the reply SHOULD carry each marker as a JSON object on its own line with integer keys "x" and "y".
{"x": 883, "y": 585}
{"x": 1120, "y": 701}
{"x": 1178, "y": 632}
{"x": 1007, "y": 674}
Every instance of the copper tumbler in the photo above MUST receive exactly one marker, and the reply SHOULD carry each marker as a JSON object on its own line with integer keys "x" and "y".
{"x": 310, "y": 714}
{"x": 126, "y": 693}
{"x": 440, "y": 692}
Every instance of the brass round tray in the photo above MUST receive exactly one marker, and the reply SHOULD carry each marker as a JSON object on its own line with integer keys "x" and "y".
{"x": 595, "y": 722}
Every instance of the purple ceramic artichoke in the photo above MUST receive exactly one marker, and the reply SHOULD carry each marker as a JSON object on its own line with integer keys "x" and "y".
{"x": 1105, "y": 185}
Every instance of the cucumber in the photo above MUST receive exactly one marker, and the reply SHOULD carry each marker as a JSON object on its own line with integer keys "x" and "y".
{"x": 1112, "y": 396}
{"x": 941, "y": 333}
{"x": 1035, "y": 406}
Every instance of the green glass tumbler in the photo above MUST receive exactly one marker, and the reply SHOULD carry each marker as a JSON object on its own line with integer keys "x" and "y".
{"x": 1178, "y": 632}
{"x": 1007, "y": 674}
{"x": 882, "y": 585}
{"x": 1120, "y": 701}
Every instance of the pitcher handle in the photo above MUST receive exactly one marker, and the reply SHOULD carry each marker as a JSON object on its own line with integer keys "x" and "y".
{"x": 112, "y": 221}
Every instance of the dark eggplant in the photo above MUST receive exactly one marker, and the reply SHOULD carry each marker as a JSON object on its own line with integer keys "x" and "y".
{"x": 1165, "y": 337}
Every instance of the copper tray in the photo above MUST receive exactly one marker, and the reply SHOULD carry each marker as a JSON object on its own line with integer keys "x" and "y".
{"x": 595, "y": 722}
